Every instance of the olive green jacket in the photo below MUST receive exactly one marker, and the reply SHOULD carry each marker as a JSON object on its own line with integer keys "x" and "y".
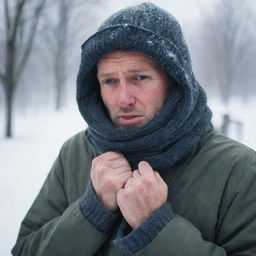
{"x": 212, "y": 193}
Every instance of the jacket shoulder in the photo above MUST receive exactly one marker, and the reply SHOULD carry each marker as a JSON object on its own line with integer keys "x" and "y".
{"x": 217, "y": 146}
{"x": 225, "y": 158}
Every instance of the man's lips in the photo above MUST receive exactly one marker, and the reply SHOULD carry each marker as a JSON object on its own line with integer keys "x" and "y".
{"x": 129, "y": 119}
{"x": 128, "y": 116}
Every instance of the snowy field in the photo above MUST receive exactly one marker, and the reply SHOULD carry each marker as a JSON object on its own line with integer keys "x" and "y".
{"x": 26, "y": 159}
{"x": 25, "y": 162}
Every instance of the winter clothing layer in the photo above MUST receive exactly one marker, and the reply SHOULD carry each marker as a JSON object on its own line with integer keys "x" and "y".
{"x": 103, "y": 220}
{"x": 184, "y": 118}
{"x": 212, "y": 191}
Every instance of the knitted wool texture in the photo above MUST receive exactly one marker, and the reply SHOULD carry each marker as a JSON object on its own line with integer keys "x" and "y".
{"x": 184, "y": 118}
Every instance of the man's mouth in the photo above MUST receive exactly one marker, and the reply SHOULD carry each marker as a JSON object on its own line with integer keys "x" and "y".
{"x": 128, "y": 120}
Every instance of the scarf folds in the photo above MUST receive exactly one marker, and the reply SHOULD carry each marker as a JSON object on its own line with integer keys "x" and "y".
{"x": 162, "y": 141}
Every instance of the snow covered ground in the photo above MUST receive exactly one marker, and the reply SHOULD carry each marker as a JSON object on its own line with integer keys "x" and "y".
{"x": 25, "y": 162}
{"x": 240, "y": 112}
{"x": 26, "y": 159}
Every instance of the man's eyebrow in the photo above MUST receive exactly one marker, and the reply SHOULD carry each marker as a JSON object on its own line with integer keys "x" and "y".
{"x": 137, "y": 70}
{"x": 107, "y": 74}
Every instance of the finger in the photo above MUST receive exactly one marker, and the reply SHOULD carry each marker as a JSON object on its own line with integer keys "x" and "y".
{"x": 158, "y": 177}
{"x": 121, "y": 170}
{"x": 108, "y": 160}
{"x": 120, "y": 179}
{"x": 124, "y": 176}
{"x": 111, "y": 155}
{"x": 136, "y": 174}
{"x": 120, "y": 163}
{"x": 145, "y": 169}
{"x": 128, "y": 182}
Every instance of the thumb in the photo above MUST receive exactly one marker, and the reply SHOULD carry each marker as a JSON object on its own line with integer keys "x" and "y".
{"x": 145, "y": 168}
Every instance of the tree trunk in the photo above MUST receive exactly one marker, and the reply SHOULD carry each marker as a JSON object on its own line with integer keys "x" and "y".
{"x": 60, "y": 79}
{"x": 225, "y": 124}
{"x": 59, "y": 92}
{"x": 9, "y": 112}
{"x": 16, "y": 57}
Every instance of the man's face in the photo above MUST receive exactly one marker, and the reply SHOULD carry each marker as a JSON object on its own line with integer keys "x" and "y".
{"x": 133, "y": 87}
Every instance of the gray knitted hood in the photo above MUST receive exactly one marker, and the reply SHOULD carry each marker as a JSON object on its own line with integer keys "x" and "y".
{"x": 145, "y": 28}
{"x": 151, "y": 30}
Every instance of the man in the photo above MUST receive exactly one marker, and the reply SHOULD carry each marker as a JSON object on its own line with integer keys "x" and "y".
{"x": 149, "y": 176}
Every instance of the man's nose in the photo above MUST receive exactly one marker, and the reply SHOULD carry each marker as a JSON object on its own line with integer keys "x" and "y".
{"x": 126, "y": 96}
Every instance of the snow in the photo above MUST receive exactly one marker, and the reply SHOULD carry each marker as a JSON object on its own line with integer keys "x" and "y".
{"x": 27, "y": 159}
{"x": 240, "y": 112}
{"x": 25, "y": 163}
{"x": 172, "y": 55}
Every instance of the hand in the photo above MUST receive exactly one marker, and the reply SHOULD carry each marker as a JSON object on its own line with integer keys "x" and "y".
{"x": 109, "y": 173}
{"x": 142, "y": 194}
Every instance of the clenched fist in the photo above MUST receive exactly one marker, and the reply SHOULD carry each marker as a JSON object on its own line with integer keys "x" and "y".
{"x": 142, "y": 194}
{"x": 109, "y": 173}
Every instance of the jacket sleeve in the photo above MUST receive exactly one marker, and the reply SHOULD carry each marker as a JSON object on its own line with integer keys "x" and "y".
{"x": 52, "y": 227}
{"x": 235, "y": 235}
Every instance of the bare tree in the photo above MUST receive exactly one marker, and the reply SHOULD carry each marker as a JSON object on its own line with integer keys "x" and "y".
{"x": 62, "y": 30}
{"x": 60, "y": 50}
{"x": 230, "y": 42}
{"x": 20, "y": 32}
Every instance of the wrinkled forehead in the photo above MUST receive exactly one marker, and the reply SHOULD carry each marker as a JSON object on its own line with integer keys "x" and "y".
{"x": 129, "y": 57}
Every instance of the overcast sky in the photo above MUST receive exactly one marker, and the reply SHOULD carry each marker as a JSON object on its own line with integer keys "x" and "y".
{"x": 183, "y": 10}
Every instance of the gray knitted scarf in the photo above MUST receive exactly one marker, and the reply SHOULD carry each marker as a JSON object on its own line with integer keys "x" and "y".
{"x": 185, "y": 116}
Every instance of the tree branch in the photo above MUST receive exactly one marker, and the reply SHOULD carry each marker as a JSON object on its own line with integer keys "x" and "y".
{"x": 30, "y": 40}
{"x": 19, "y": 8}
{"x": 11, "y": 38}
{"x": 7, "y": 16}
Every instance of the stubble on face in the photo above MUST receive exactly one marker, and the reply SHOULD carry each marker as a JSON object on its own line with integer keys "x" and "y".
{"x": 133, "y": 87}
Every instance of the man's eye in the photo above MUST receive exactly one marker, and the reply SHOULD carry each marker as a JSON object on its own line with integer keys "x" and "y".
{"x": 141, "y": 78}
{"x": 109, "y": 81}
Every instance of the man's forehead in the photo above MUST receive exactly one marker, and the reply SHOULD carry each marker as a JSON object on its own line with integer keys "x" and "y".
{"x": 121, "y": 53}
{"x": 117, "y": 56}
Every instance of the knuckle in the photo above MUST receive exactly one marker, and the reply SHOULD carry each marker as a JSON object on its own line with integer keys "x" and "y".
{"x": 147, "y": 181}
{"x": 140, "y": 186}
{"x": 96, "y": 161}
{"x": 101, "y": 170}
{"x": 106, "y": 165}
{"x": 102, "y": 167}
